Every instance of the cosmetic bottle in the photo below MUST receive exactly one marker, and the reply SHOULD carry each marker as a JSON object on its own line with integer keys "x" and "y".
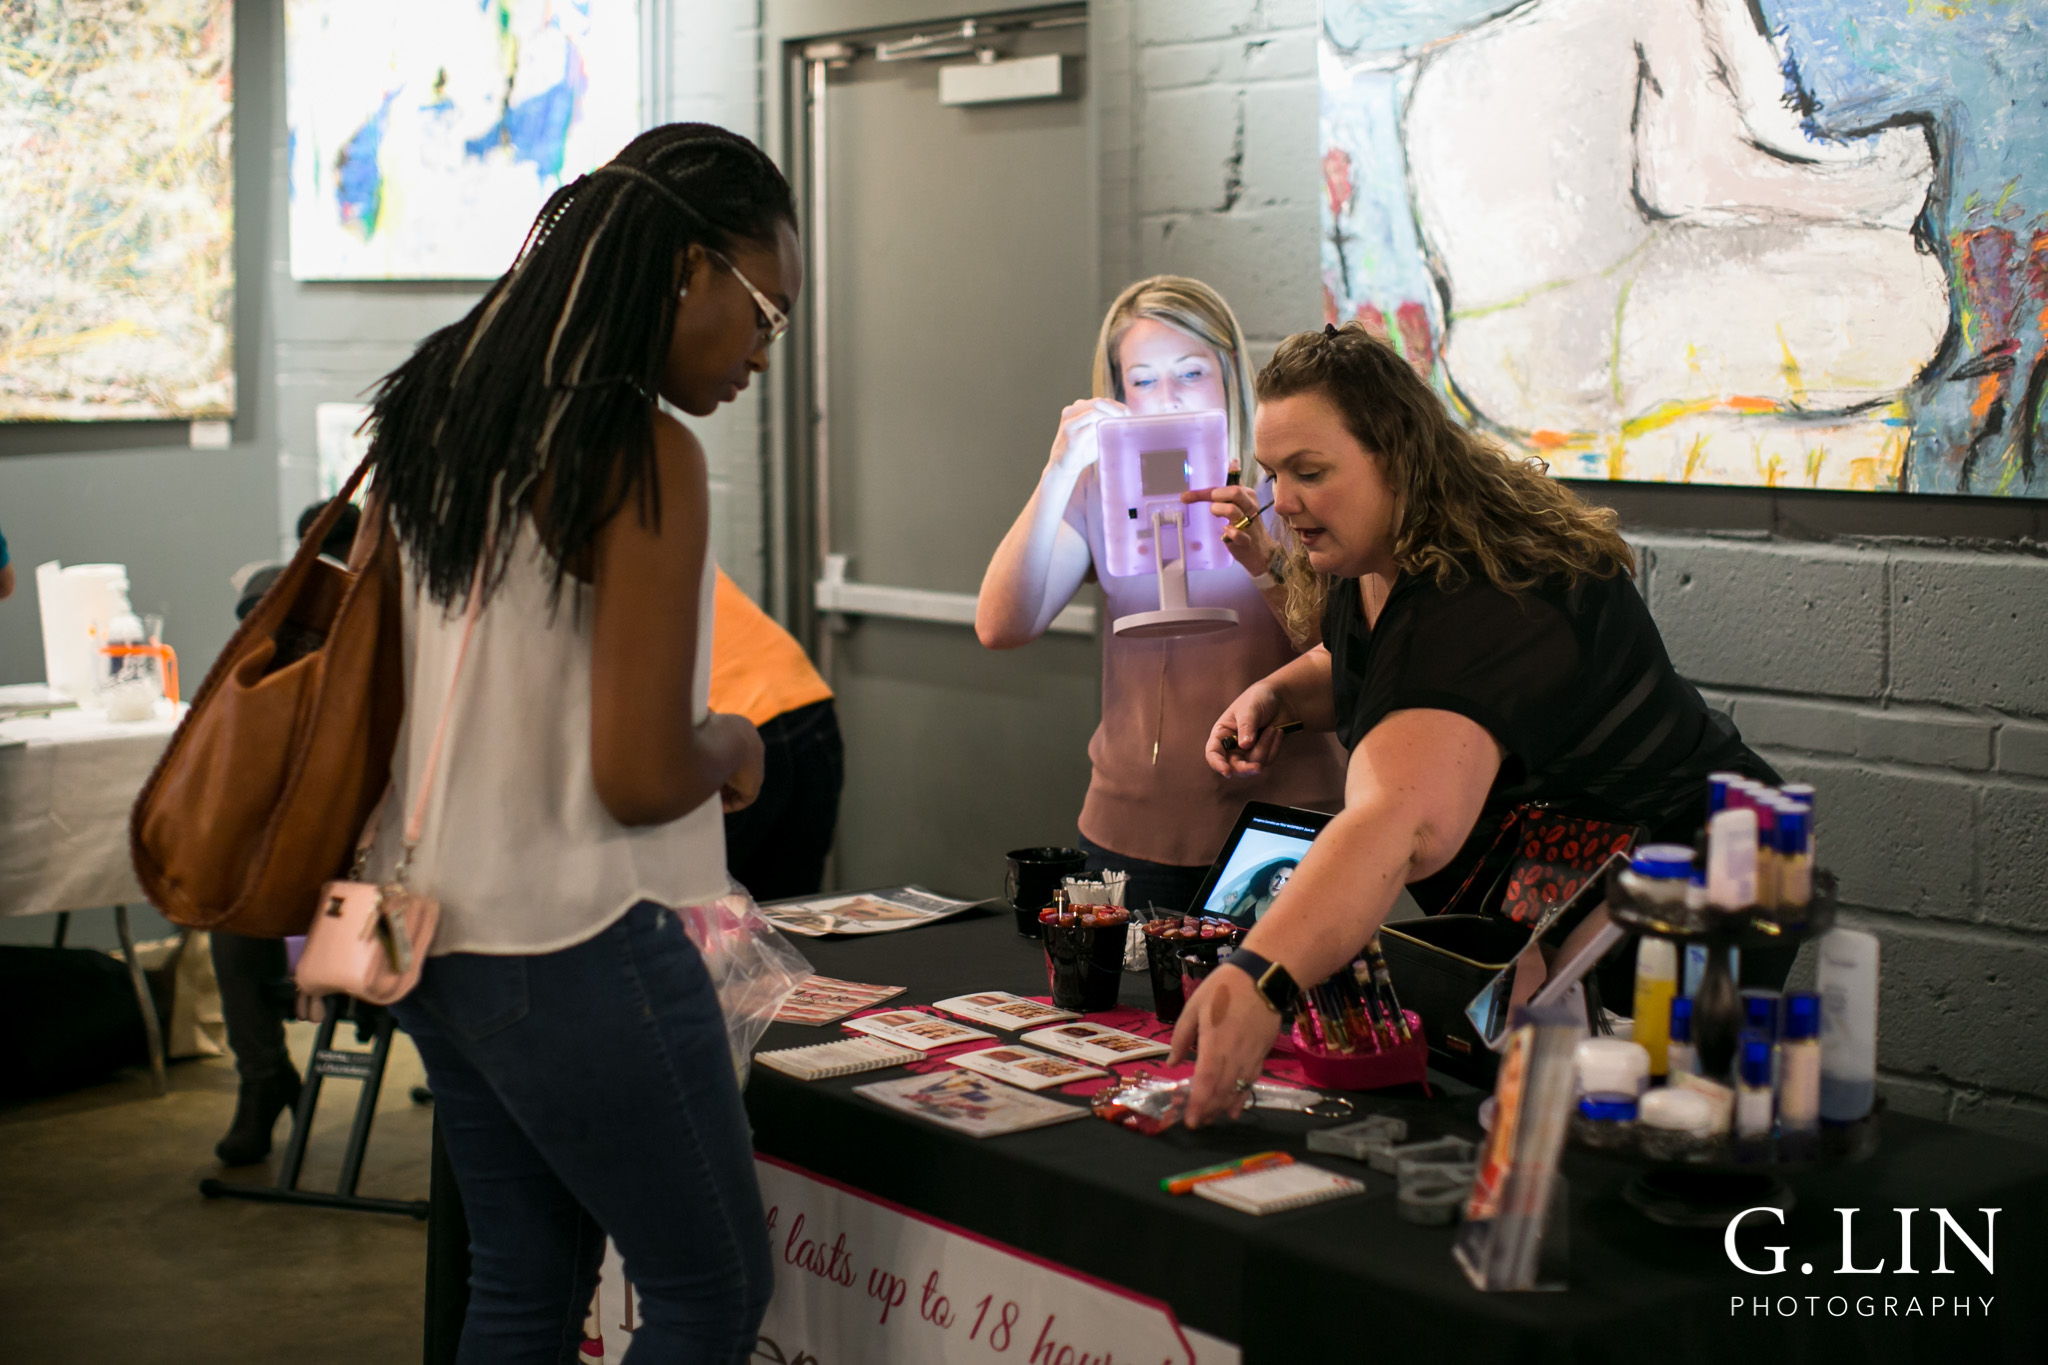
{"x": 1760, "y": 1016}
{"x": 1610, "y": 1075}
{"x": 1754, "y": 1111}
{"x": 1799, "y": 1074}
{"x": 1803, "y": 793}
{"x": 1610, "y": 1066}
{"x": 1767, "y": 850}
{"x": 1657, "y": 877}
{"x": 1717, "y": 791}
{"x": 1795, "y": 859}
{"x": 1656, "y": 984}
{"x": 1675, "y": 1125}
{"x": 1731, "y": 860}
{"x": 1679, "y": 1057}
{"x": 1848, "y": 1024}
{"x": 1604, "y": 1122}
{"x": 1720, "y": 1102}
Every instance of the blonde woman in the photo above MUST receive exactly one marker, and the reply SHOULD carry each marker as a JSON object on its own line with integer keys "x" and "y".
{"x": 1483, "y": 645}
{"x": 1154, "y": 809}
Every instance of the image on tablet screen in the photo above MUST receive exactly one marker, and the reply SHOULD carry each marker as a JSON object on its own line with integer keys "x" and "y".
{"x": 1259, "y": 867}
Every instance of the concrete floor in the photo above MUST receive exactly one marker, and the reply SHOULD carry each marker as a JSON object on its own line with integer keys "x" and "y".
{"x": 109, "y": 1254}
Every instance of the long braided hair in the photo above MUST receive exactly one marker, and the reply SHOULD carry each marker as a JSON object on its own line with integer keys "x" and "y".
{"x": 554, "y": 371}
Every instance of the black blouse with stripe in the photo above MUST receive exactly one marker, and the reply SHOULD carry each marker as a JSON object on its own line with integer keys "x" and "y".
{"x": 1573, "y": 681}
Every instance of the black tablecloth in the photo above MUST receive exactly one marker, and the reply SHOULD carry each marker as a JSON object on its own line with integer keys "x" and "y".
{"x": 1349, "y": 1281}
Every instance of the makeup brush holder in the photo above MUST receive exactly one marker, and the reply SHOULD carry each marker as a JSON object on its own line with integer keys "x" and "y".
{"x": 1400, "y": 1064}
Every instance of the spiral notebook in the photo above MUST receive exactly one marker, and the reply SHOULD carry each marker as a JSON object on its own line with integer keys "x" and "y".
{"x": 1279, "y": 1188}
{"x": 847, "y": 1057}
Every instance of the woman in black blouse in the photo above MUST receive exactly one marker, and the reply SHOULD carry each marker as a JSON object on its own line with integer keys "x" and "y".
{"x": 1483, "y": 645}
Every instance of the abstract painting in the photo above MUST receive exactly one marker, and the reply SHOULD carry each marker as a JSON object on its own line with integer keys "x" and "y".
{"x": 117, "y": 224}
{"x": 1786, "y": 243}
{"x": 426, "y": 134}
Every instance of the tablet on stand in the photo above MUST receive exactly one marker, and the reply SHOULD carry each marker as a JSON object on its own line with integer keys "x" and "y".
{"x": 1146, "y": 463}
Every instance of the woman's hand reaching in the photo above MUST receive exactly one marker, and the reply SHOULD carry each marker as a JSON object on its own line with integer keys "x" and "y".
{"x": 1229, "y": 1029}
{"x": 1076, "y": 447}
{"x": 1245, "y": 737}
{"x": 1248, "y": 544}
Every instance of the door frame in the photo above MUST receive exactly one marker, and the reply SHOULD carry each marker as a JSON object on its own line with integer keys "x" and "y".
{"x": 793, "y": 512}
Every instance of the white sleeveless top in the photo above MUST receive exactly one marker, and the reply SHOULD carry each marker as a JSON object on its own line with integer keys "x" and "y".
{"x": 517, "y": 847}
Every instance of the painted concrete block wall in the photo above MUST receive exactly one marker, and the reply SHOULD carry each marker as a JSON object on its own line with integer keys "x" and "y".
{"x": 1909, "y": 684}
{"x": 1908, "y": 679}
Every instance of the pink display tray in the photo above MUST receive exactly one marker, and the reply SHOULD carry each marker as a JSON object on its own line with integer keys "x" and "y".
{"x": 1404, "y": 1065}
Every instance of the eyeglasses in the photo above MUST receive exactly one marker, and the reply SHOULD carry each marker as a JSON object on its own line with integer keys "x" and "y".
{"x": 774, "y": 321}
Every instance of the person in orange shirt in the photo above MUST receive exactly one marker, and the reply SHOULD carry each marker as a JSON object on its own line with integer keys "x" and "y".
{"x": 776, "y": 847}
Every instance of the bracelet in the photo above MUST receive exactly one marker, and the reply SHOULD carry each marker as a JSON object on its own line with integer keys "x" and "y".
{"x": 1265, "y": 581}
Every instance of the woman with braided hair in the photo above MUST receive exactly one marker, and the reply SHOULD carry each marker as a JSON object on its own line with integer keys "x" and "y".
{"x": 534, "y": 468}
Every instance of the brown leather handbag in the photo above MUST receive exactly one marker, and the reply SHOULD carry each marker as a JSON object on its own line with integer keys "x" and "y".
{"x": 262, "y": 791}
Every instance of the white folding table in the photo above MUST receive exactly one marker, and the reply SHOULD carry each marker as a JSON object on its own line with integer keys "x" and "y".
{"x": 67, "y": 780}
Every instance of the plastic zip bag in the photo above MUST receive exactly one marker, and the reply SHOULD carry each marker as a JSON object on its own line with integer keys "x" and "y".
{"x": 753, "y": 967}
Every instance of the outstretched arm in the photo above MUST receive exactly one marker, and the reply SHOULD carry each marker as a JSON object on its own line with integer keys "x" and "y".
{"x": 1042, "y": 561}
{"x": 1412, "y": 795}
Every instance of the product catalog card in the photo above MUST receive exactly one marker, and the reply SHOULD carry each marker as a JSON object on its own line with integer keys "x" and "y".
{"x": 823, "y": 1000}
{"x": 1024, "y": 1067}
{"x": 1000, "y": 1009}
{"x": 913, "y": 1028}
{"x": 864, "y": 912}
{"x": 970, "y": 1104}
{"x": 1097, "y": 1044}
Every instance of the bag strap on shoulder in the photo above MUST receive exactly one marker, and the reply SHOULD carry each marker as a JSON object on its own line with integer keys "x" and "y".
{"x": 416, "y": 814}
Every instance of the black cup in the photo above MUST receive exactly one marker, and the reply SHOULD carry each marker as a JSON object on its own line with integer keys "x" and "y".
{"x": 1163, "y": 962}
{"x": 1084, "y": 965}
{"x": 1034, "y": 874}
{"x": 1179, "y": 965}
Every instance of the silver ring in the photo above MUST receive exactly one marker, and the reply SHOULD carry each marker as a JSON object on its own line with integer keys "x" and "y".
{"x": 1242, "y": 1085}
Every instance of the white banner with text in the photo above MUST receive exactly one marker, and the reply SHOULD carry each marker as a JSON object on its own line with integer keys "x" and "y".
{"x": 860, "y": 1281}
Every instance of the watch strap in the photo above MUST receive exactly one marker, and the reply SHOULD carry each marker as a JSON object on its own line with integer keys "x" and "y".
{"x": 1274, "y": 983}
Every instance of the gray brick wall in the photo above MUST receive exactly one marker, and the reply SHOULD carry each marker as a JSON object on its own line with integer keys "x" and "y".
{"x": 1907, "y": 684}
{"x": 1223, "y": 116}
{"x": 1907, "y": 680}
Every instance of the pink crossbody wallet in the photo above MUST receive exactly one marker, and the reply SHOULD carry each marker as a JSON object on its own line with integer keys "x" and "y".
{"x": 370, "y": 941}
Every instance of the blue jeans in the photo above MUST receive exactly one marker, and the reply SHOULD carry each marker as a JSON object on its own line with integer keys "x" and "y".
{"x": 776, "y": 847}
{"x": 585, "y": 1092}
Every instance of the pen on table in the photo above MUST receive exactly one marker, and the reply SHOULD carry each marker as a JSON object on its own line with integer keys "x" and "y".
{"x": 1258, "y": 1161}
{"x": 1285, "y": 728}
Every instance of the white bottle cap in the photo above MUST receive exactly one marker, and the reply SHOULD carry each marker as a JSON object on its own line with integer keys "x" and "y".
{"x": 1611, "y": 1066}
{"x": 1656, "y": 959}
{"x": 1680, "y": 1111}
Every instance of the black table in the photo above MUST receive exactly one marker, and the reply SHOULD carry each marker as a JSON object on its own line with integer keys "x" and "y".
{"x": 1349, "y": 1281}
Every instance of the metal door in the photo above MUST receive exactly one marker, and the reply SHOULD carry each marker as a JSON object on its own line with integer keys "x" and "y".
{"x": 953, "y": 304}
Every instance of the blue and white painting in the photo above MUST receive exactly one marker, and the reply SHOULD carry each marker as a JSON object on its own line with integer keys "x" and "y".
{"x": 426, "y": 134}
{"x": 1789, "y": 243}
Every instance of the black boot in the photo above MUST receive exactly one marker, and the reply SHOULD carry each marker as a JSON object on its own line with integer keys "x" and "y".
{"x": 256, "y": 1111}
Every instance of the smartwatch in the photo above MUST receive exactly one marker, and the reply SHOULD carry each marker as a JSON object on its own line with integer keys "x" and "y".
{"x": 1273, "y": 982}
